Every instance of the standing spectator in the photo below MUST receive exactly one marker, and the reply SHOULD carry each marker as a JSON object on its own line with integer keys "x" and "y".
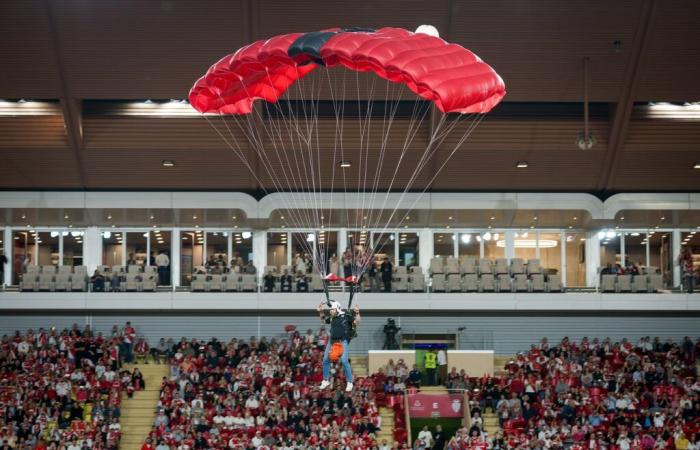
{"x": 430, "y": 366}
{"x": 373, "y": 279}
{"x": 131, "y": 261}
{"x": 163, "y": 263}
{"x": 268, "y": 282}
{"x": 3, "y": 261}
{"x": 347, "y": 263}
{"x": 334, "y": 265}
{"x": 439, "y": 438}
{"x": 426, "y": 436}
{"x": 685, "y": 261}
{"x": 387, "y": 271}
{"x": 442, "y": 365}
{"x": 128, "y": 336}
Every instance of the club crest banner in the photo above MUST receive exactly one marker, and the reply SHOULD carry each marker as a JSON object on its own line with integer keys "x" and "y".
{"x": 435, "y": 405}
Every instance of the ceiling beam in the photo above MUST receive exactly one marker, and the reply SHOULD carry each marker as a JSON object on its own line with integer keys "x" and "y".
{"x": 72, "y": 111}
{"x": 625, "y": 103}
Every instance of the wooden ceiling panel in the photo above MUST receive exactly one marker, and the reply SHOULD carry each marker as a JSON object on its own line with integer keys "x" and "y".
{"x": 196, "y": 133}
{"x": 487, "y": 160}
{"x": 32, "y": 168}
{"x": 670, "y": 70}
{"x": 134, "y": 49}
{"x": 538, "y": 47}
{"x": 142, "y": 169}
{"x": 28, "y": 59}
{"x": 281, "y": 16}
{"x": 668, "y": 170}
{"x": 41, "y": 132}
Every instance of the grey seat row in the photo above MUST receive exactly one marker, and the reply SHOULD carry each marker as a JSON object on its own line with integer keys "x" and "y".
{"x": 224, "y": 283}
{"x": 631, "y": 283}
{"x": 471, "y": 265}
{"x": 51, "y": 278}
{"x": 489, "y": 282}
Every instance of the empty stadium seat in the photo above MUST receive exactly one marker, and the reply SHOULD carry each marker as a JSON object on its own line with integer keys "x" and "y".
{"x": 537, "y": 281}
{"x": 504, "y": 282}
{"x": 607, "y": 283}
{"x": 197, "y": 283}
{"x": 454, "y": 283}
{"x": 520, "y": 282}
{"x": 214, "y": 283}
{"x": 468, "y": 264}
{"x": 554, "y": 283}
{"x": 249, "y": 283}
{"x": 486, "y": 282}
{"x": 452, "y": 265}
{"x": 65, "y": 269}
{"x": 135, "y": 268}
{"x": 79, "y": 279}
{"x": 149, "y": 283}
{"x": 133, "y": 281}
{"x": 400, "y": 282}
{"x": 437, "y": 266}
{"x": 656, "y": 282}
{"x": 517, "y": 266}
{"x": 48, "y": 269}
{"x": 416, "y": 280}
{"x": 639, "y": 283}
{"x": 63, "y": 282}
{"x": 485, "y": 266}
{"x": 470, "y": 282}
{"x": 624, "y": 283}
{"x": 501, "y": 266}
{"x": 533, "y": 266}
{"x": 439, "y": 283}
{"x": 46, "y": 281}
{"x": 231, "y": 282}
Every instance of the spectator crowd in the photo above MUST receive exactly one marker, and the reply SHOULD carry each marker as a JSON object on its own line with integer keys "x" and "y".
{"x": 63, "y": 390}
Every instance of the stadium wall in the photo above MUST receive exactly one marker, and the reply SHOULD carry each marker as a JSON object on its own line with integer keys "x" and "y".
{"x": 505, "y": 333}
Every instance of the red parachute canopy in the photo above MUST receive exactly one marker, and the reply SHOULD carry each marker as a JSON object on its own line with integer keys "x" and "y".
{"x": 452, "y": 77}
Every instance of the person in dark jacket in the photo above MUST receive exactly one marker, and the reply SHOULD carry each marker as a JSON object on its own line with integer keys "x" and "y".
{"x": 343, "y": 324}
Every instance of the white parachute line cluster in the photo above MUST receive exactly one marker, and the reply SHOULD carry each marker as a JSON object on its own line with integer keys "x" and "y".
{"x": 297, "y": 130}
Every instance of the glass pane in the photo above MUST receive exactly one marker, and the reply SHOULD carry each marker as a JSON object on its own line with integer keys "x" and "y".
{"x": 494, "y": 244}
{"x": 160, "y": 247}
{"x": 408, "y": 249}
{"x": 690, "y": 249}
{"x": 302, "y": 251}
{"x": 550, "y": 252}
{"x": 660, "y": 259}
{"x": 277, "y": 249}
{"x": 525, "y": 242}
{"x": 136, "y": 252}
{"x": 327, "y": 252}
{"x": 609, "y": 250}
{"x": 468, "y": 245}
{"x": 384, "y": 246}
{"x": 576, "y": 259}
{"x": 191, "y": 255}
{"x": 48, "y": 248}
{"x": 72, "y": 249}
{"x": 22, "y": 253}
{"x": 635, "y": 251}
{"x": 443, "y": 245}
{"x": 111, "y": 248}
{"x": 217, "y": 252}
{"x": 242, "y": 248}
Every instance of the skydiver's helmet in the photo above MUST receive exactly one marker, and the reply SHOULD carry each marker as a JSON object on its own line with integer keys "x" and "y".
{"x": 337, "y": 307}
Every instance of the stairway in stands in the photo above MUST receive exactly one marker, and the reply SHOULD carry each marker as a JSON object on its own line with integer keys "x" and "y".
{"x": 139, "y": 412}
{"x": 490, "y": 417}
{"x": 359, "y": 365}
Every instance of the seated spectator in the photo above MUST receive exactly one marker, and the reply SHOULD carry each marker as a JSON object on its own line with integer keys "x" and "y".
{"x": 250, "y": 269}
{"x": 269, "y": 282}
{"x": 142, "y": 350}
{"x": 302, "y": 283}
{"x": 98, "y": 281}
{"x": 286, "y": 282}
{"x": 415, "y": 377}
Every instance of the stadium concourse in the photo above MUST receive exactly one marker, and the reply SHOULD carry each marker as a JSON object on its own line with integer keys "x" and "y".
{"x": 349, "y": 225}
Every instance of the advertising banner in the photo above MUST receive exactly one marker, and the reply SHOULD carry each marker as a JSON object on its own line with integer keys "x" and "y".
{"x": 436, "y": 405}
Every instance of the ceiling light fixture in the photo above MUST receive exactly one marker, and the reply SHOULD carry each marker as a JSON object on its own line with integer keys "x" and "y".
{"x": 696, "y": 165}
{"x": 168, "y": 163}
{"x": 345, "y": 164}
{"x": 521, "y": 165}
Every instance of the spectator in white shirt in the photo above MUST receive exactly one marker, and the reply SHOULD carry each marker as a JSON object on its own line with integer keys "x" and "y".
{"x": 163, "y": 263}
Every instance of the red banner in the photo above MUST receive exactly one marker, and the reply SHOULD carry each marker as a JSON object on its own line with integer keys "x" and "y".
{"x": 435, "y": 405}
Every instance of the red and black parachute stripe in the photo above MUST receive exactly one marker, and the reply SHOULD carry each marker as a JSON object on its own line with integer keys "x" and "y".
{"x": 452, "y": 77}
{"x": 310, "y": 44}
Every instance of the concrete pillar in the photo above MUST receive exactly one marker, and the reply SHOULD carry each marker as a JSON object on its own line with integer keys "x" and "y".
{"x": 260, "y": 252}
{"x": 675, "y": 253}
{"x": 592, "y": 259}
{"x": 8, "y": 245}
{"x": 92, "y": 249}
{"x": 175, "y": 257}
